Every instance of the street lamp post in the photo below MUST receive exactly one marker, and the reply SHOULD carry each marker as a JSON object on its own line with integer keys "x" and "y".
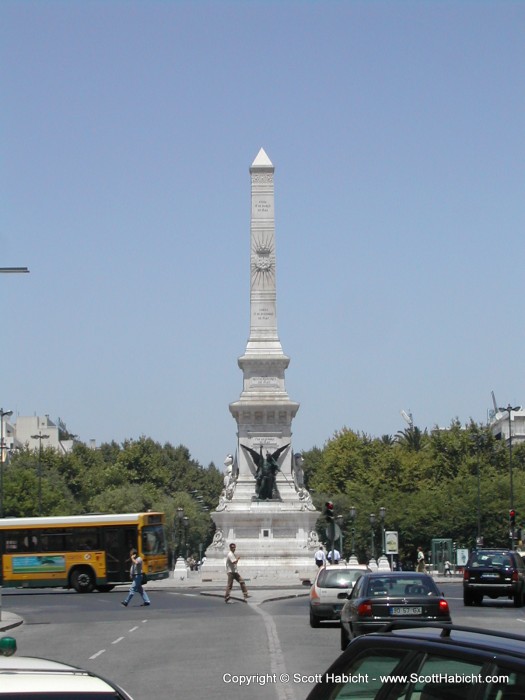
{"x": 353, "y": 513}
{"x": 479, "y": 538}
{"x": 2, "y": 457}
{"x": 382, "y": 513}
{"x": 372, "y": 523}
{"x": 180, "y": 517}
{"x": 353, "y": 559}
{"x": 40, "y": 437}
{"x": 509, "y": 410}
{"x": 185, "y": 523}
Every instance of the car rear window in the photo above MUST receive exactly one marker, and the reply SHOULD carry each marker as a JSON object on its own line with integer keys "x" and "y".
{"x": 401, "y": 586}
{"x": 497, "y": 560}
{"x": 338, "y": 579}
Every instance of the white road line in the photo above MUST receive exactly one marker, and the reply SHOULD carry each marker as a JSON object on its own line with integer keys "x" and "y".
{"x": 116, "y": 641}
{"x": 97, "y": 654}
{"x": 284, "y": 690}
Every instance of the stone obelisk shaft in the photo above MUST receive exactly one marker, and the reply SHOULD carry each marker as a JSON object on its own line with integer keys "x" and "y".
{"x": 263, "y": 311}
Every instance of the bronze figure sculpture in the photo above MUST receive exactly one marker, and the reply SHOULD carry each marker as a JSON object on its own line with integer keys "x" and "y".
{"x": 267, "y": 468}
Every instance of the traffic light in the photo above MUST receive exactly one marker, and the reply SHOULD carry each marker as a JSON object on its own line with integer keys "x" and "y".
{"x": 329, "y": 512}
{"x": 512, "y": 517}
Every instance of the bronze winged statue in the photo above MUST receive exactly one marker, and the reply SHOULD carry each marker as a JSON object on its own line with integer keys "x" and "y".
{"x": 266, "y": 470}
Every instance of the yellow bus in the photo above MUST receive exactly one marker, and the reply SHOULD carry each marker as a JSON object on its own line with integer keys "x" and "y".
{"x": 84, "y": 552}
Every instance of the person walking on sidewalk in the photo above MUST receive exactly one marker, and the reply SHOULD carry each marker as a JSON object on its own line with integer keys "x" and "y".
{"x": 234, "y": 575}
{"x": 136, "y": 580}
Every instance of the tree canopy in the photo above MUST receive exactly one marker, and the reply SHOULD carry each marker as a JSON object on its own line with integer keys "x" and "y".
{"x": 135, "y": 476}
{"x": 446, "y": 483}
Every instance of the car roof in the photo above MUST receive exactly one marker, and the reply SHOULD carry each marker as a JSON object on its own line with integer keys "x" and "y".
{"x": 30, "y": 663}
{"x": 397, "y": 574}
{"x": 344, "y": 567}
{"x": 27, "y": 674}
{"x": 456, "y": 635}
{"x": 362, "y": 568}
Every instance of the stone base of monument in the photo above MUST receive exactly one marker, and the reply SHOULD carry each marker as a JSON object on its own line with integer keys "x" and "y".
{"x": 276, "y": 539}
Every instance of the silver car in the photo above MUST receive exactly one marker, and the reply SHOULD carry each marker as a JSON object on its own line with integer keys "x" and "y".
{"x": 330, "y": 590}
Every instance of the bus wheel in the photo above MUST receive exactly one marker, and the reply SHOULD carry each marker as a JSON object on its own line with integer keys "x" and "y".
{"x": 105, "y": 588}
{"x": 82, "y": 580}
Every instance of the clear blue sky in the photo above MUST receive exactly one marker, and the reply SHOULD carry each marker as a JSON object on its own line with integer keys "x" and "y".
{"x": 126, "y": 134}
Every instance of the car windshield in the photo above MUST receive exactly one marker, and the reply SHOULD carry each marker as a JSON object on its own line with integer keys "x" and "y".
{"x": 402, "y": 586}
{"x": 343, "y": 578}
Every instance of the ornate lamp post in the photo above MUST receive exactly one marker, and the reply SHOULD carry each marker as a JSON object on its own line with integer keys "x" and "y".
{"x": 2, "y": 458}
{"x": 40, "y": 437}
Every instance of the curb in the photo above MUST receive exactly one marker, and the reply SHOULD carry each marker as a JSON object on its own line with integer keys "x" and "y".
{"x": 9, "y": 621}
{"x": 258, "y": 602}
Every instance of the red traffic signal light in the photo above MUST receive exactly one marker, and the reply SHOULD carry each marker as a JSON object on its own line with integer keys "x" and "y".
{"x": 512, "y": 516}
{"x": 329, "y": 510}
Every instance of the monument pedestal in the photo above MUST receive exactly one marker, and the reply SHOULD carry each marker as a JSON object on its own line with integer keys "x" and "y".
{"x": 276, "y": 540}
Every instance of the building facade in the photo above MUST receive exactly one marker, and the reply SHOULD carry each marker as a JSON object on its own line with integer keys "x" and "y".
{"x": 29, "y": 432}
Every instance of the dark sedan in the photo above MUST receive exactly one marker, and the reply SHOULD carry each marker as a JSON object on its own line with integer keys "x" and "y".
{"x": 380, "y": 598}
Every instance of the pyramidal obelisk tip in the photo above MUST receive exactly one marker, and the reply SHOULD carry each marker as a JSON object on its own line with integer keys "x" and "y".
{"x": 262, "y": 160}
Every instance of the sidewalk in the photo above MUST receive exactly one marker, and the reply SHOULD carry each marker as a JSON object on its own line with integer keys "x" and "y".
{"x": 260, "y": 591}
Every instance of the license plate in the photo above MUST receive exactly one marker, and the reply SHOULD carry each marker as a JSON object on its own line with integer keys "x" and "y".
{"x": 489, "y": 576}
{"x": 406, "y": 610}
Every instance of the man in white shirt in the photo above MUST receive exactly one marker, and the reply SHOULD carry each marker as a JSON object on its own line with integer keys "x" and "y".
{"x": 334, "y": 556}
{"x": 234, "y": 575}
{"x": 320, "y": 557}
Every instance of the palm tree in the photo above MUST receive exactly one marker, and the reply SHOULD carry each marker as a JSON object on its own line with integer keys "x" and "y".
{"x": 412, "y": 438}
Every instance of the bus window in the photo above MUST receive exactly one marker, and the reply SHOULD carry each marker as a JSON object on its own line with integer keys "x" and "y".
{"x": 83, "y": 539}
{"x": 52, "y": 541}
{"x": 21, "y": 541}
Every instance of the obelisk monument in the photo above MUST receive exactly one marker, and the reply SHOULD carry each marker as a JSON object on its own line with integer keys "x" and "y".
{"x": 264, "y": 506}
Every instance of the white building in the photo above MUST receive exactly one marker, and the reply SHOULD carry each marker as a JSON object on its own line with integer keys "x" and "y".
{"x": 25, "y": 432}
{"x": 503, "y": 429}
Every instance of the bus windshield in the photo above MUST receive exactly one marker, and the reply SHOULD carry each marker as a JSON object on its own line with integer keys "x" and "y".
{"x": 153, "y": 540}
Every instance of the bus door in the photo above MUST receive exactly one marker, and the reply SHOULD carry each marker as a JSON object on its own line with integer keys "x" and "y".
{"x": 118, "y": 542}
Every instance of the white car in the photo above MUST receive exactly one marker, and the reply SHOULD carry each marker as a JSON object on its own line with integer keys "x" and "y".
{"x": 330, "y": 589}
{"x": 33, "y": 678}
